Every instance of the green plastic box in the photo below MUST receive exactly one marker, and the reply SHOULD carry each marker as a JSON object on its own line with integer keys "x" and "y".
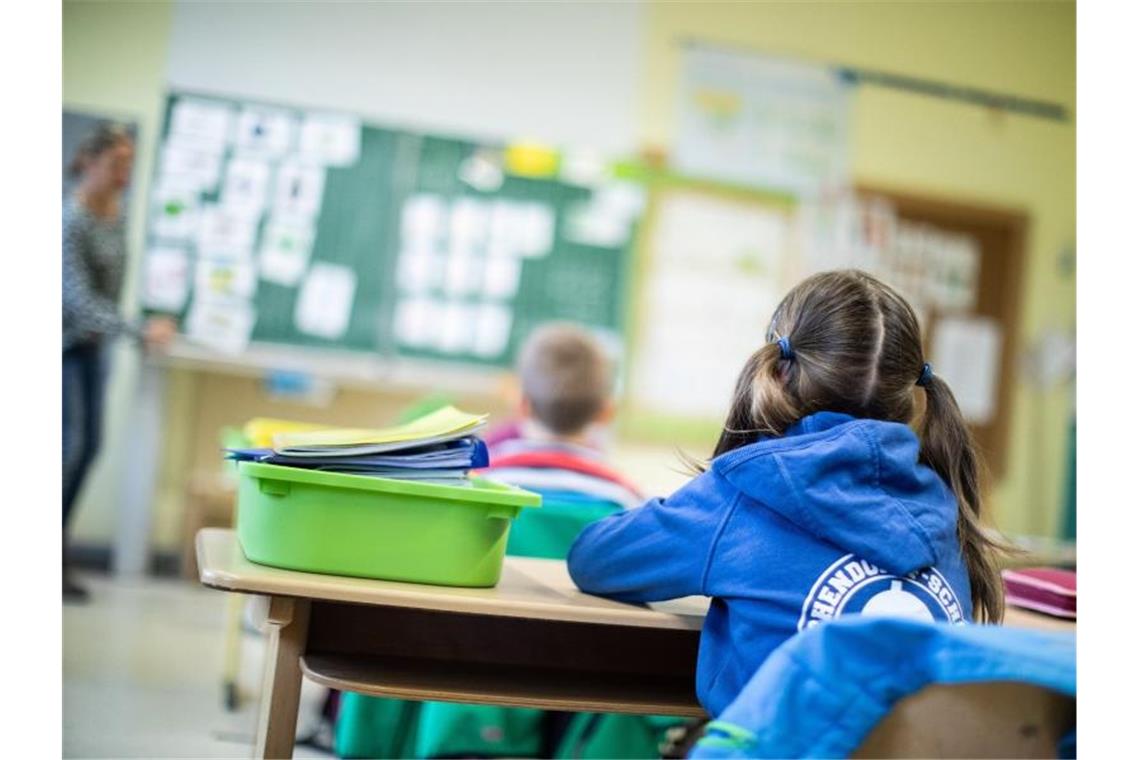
{"x": 326, "y": 522}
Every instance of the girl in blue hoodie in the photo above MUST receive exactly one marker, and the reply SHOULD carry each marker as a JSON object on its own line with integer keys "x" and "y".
{"x": 820, "y": 499}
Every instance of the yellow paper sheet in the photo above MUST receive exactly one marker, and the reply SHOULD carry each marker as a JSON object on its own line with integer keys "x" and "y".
{"x": 442, "y": 422}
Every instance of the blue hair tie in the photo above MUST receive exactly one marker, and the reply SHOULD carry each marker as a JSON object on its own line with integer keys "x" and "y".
{"x": 785, "y": 348}
{"x": 926, "y": 376}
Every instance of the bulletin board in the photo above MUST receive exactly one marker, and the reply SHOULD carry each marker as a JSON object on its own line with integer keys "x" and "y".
{"x": 711, "y": 265}
{"x": 711, "y": 309}
{"x": 994, "y": 313}
{"x": 279, "y": 225}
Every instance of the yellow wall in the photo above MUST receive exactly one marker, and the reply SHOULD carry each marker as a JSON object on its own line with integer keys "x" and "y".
{"x": 114, "y": 63}
{"x": 115, "y": 59}
{"x": 938, "y": 147}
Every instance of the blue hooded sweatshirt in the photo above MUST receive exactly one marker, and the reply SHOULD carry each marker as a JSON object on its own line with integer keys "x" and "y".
{"x": 836, "y": 517}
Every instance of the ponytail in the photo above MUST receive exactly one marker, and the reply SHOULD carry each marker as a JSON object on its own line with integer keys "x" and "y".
{"x": 761, "y": 405}
{"x": 949, "y": 449}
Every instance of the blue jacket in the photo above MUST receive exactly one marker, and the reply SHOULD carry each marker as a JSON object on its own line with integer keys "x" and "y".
{"x": 835, "y": 517}
{"x": 822, "y": 692}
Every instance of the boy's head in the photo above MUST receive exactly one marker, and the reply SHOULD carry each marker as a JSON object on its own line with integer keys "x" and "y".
{"x": 566, "y": 379}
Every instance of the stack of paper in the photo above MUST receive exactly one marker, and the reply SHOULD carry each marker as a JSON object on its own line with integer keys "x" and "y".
{"x": 440, "y": 447}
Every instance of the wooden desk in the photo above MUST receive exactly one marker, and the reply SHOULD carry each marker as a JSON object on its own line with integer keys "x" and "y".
{"x": 532, "y": 641}
{"x": 1018, "y": 618}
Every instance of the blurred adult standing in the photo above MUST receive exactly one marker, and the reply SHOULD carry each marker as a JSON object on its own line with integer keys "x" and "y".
{"x": 94, "y": 260}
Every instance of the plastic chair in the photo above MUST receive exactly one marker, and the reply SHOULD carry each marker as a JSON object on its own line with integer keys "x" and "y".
{"x": 883, "y": 687}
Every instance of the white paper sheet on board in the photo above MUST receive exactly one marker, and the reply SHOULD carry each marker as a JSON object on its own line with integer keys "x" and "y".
{"x": 715, "y": 281}
{"x": 536, "y": 234}
{"x": 224, "y": 279}
{"x": 623, "y": 197}
{"x": 191, "y": 164}
{"x": 174, "y": 211}
{"x": 298, "y": 190}
{"x": 586, "y": 168}
{"x": 247, "y": 186}
{"x": 221, "y": 324}
{"x": 520, "y": 229}
{"x": 502, "y": 234}
{"x": 325, "y": 303}
{"x": 166, "y": 279}
{"x": 330, "y": 139}
{"x": 588, "y": 223}
{"x": 492, "y": 330}
{"x": 265, "y": 132}
{"x": 286, "y": 246}
{"x": 501, "y": 278}
{"x": 202, "y": 120}
{"x": 420, "y": 271}
{"x": 463, "y": 274}
{"x": 417, "y": 319}
{"x": 224, "y": 235}
{"x": 469, "y": 224}
{"x": 966, "y": 353}
{"x": 423, "y": 221}
{"x": 483, "y": 171}
{"x": 456, "y": 331}
{"x": 951, "y": 271}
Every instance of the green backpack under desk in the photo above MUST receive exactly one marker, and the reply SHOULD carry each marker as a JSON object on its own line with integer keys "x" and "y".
{"x": 375, "y": 727}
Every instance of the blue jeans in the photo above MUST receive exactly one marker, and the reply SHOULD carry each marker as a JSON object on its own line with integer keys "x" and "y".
{"x": 84, "y": 379}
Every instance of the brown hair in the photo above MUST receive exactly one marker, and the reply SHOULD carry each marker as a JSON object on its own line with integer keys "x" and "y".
{"x": 101, "y": 139}
{"x": 566, "y": 377}
{"x": 856, "y": 347}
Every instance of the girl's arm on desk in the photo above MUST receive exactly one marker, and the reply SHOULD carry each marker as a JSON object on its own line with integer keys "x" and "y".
{"x": 661, "y": 550}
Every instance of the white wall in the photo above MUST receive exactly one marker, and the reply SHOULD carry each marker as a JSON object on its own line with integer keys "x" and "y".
{"x": 562, "y": 73}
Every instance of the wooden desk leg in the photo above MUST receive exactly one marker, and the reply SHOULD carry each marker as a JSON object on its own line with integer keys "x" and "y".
{"x": 287, "y": 627}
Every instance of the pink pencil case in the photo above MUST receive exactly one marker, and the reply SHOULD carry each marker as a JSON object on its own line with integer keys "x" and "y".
{"x": 1043, "y": 589}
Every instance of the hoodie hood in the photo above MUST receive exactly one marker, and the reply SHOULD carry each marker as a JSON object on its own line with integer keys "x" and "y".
{"x": 855, "y": 483}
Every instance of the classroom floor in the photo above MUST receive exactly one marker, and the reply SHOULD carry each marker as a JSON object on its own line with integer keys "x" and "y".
{"x": 142, "y": 675}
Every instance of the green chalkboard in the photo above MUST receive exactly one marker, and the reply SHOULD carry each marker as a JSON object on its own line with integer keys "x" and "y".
{"x": 458, "y": 277}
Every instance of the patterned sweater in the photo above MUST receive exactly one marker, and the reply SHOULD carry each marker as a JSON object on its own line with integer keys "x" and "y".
{"x": 94, "y": 254}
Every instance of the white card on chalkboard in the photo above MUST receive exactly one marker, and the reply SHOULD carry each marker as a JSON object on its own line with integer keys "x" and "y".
{"x": 299, "y": 190}
{"x": 264, "y": 132}
{"x": 492, "y": 331}
{"x": 416, "y": 321}
{"x": 285, "y": 249}
{"x": 174, "y": 214}
{"x": 464, "y": 273}
{"x": 223, "y": 324}
{"x": 191, "y": 164}
{"x": 456, "y": 332}
{"x": 224, "y": 235}
{"x": 225, "y": 279}
{"x": 330, "y": 139}
{"x": 419, "y": 271}
{"x": 324, "y": 306}
{"x": 247, "y": 187}
{"x": 202, "y": 120}
{"x": 423, "y": 221}
{"x": 501, "y": 278}
{"x": 166, "y": 280}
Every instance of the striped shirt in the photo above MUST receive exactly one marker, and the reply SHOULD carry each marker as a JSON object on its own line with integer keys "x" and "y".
{"x": 558, "y": 468}
{"x": 94, "y": 256}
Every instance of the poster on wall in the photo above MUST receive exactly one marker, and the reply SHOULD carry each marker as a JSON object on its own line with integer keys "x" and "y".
{"x": 966, "y": 352}
{"x": 762, "y": 121}
{"x": 716, "y": 278}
